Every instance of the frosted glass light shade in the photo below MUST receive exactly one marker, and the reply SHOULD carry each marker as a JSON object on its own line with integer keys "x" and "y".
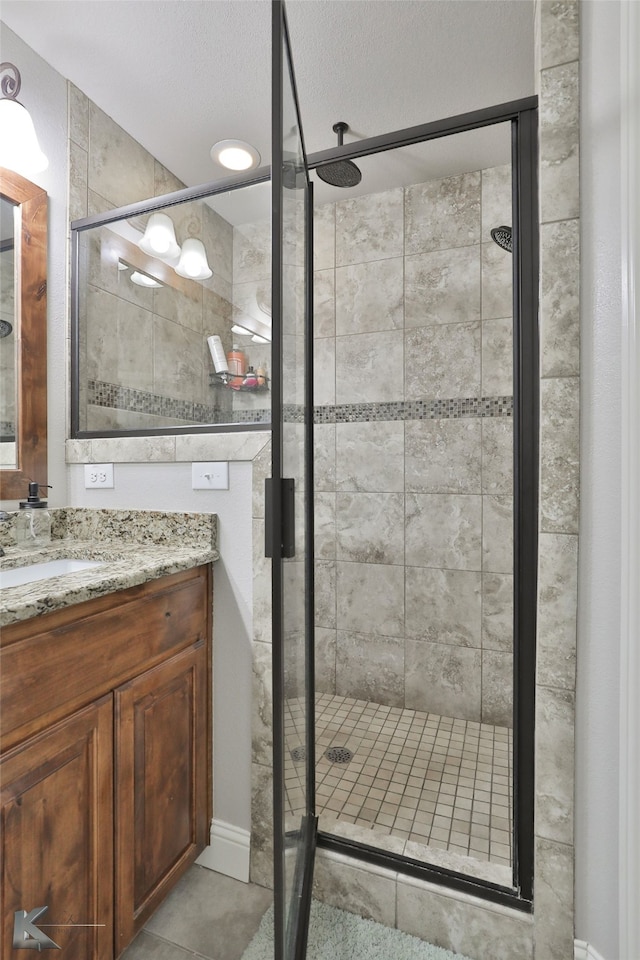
{"x": 19, "y": 147}
{"x": 193, "y": 261}
{"x": 160, "y": 238}
{"x": 142, "y": 280}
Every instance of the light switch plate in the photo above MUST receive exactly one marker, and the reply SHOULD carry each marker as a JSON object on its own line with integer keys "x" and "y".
{"x": 98, "y": 475}
{"x": 210, "y": 476}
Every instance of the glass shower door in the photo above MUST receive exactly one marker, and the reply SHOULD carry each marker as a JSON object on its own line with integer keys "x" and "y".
{"x": 290, "y": 511}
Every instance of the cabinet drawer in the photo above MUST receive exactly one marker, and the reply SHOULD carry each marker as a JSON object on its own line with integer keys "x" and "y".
{"x": 56, "y": 670}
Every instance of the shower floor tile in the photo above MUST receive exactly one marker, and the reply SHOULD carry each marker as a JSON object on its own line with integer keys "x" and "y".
{"x": 436, "y": 783}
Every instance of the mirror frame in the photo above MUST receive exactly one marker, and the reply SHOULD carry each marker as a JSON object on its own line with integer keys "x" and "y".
{"x": 31, "y": 326}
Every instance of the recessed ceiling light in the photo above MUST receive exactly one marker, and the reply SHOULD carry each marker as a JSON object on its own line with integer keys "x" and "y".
{"x": 235, "y": 154}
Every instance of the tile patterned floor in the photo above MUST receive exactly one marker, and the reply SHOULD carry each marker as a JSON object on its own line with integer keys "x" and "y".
{"x": 207, "y": 916}
{"x": 416, "y": 777}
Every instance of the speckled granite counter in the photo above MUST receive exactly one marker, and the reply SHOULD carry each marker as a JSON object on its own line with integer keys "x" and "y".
{"x": 134, "y": 546}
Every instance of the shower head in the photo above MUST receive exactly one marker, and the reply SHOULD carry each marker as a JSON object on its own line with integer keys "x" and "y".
{"x": 340, "y": 173}
{"x": 5, "y": 328}
{"x": 502, "y": 236}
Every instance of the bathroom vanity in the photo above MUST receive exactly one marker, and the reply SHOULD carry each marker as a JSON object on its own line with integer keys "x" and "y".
{"x": 106, "y": 742}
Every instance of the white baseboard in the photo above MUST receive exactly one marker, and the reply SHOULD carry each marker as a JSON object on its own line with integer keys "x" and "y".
{"x": 228, "y": 851}
{"x": 584, "y": 951}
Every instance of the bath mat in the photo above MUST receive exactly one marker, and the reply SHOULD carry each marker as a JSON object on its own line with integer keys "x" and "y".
{"x": 337, "y": 935}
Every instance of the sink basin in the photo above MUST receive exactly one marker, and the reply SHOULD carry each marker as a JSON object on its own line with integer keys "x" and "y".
{"x": 42, "y": 571}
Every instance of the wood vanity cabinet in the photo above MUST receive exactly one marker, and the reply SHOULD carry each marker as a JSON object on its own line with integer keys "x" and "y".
{"x": 57, "y": 833}
{"x": 105, "y": 772}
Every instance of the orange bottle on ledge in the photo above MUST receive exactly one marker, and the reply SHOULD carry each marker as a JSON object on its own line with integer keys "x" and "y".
{"x": 237, "y": 362}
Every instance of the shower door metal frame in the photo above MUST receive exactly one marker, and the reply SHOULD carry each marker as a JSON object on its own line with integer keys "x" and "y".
{"x": 523, "y": 117}
{"x": 290, "y": 927}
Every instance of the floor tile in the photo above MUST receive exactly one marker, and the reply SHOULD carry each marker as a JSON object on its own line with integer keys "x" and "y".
{"x": 208, "y": 914}
{"x": 147, "y": 947}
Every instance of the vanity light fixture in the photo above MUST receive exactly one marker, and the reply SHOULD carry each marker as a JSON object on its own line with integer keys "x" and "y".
{"x": 235, "y": 155}
{"x": 256, "y": 338}
{"x": 19, "y": 147}
{"x": 142, "y": 280}
{"x": 159, "y": 238}
{"x": 193, "y": 261}
{"x": 241, "y": 331}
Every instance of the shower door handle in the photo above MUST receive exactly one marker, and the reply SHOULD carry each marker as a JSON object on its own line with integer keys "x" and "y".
{"x": 287, "y": 533}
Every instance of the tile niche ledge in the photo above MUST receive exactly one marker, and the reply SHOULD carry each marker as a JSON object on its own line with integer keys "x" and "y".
{"x": 171, "y": 449}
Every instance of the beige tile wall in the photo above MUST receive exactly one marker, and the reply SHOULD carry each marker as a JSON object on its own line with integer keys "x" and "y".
{"x": 153, "y": 340}
{"x": 251, "y": 287}
{"x": 8, "y": 343}
{"x": 559, "y": 475}
{"x": 413, "y": 519}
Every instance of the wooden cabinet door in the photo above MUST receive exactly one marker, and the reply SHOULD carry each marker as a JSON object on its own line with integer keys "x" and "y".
{"x": 161, "y": 790}
{"x": 56, "y": 835}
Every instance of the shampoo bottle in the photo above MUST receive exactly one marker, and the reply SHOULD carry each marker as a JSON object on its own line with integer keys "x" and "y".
{"x": 217, "y": 354}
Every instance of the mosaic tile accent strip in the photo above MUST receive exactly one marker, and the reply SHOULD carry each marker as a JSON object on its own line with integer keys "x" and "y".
{"x": 7, "y": 429}
{"x": 102, "y": 394}
{"x": 454, "y": 408}
{"x": 249, "y": 416}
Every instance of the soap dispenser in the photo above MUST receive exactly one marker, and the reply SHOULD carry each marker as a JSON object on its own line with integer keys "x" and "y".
{"x": 33, "y": 523}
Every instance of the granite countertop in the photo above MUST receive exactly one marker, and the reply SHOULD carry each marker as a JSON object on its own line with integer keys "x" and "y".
{"x": 135, "y": 546}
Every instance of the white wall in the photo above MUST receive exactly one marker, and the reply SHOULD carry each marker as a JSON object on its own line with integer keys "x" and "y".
{"x": 597, "y": 894}
{"x": 167, "y": 486}
{"x": 44, "y": 94}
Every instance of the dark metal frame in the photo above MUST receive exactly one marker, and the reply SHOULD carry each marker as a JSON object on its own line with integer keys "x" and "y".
{"x": 522, "y": 115}
{"x": 290, "y": 942}
{"x": 526, "y": 433}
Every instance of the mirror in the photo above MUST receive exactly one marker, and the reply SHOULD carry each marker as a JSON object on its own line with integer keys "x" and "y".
{"x": 144, "y": 327}
{"x": 23, "y": 334}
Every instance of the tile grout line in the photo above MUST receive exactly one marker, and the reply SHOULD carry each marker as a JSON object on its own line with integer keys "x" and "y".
{"x": 187, "y": 950}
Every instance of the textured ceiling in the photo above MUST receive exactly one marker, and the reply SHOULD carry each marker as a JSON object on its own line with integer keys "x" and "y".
{"x": 180, "y": 74}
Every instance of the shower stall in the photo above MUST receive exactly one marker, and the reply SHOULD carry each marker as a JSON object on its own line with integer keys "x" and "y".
{"x": 404, "y": 723}
{"x": 414, "y": 510}
{"x": 400, "y": 391}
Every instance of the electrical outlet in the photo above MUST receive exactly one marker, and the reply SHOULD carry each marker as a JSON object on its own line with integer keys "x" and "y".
{"x": 210, "y": 476}
{"x": 98, "y": 475}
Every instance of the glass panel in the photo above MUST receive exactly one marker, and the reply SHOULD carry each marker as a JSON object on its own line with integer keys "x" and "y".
{"x": 292, "y": 440}
{"x": 414, "y": 505}
{"x": 147, "y": 360}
